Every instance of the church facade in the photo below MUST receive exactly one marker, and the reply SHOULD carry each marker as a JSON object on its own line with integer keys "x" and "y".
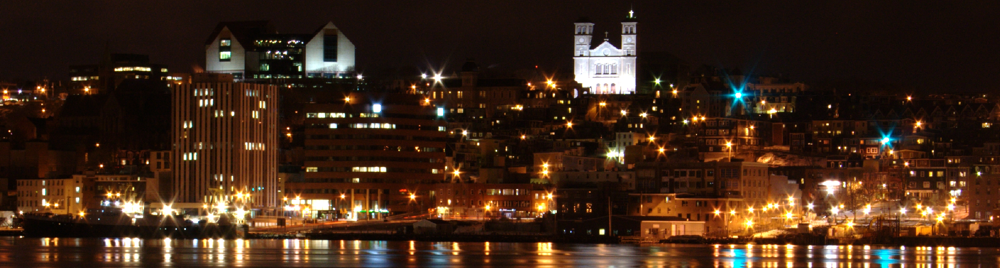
{"x": 606, "y": 69}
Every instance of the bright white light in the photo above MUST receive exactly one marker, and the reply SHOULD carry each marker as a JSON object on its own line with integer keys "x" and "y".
{"x": 360, "y": 77}
{"x": 376, "y": 108}
{"x": 440, "y": 111}
{"x": 423, "y": 76}
{"x": 437, "y": 77}
{"x": 739, "y": 95}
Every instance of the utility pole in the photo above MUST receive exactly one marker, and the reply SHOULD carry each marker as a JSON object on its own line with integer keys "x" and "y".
{"x": 610, "y": 231}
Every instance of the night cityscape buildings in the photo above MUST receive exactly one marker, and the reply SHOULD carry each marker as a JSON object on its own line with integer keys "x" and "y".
{"x": 225, "y": 143}
{"x": 285, "y": 126}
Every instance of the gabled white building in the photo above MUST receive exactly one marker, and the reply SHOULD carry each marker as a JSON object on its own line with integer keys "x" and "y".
{"x": 606, "y": 69}
{"x": 254, "y": 50}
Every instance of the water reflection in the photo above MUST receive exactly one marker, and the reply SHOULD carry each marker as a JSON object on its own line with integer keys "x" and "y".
{"x": 73, "y": 252}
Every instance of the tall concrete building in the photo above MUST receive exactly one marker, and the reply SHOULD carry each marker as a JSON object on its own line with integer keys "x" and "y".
{"x": 225, "y": 143}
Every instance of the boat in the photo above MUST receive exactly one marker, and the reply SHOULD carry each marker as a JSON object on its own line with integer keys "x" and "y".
{"x": 123, "y": 225}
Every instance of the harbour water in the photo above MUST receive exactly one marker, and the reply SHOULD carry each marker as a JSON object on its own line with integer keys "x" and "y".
{"x": 126, "y": 252}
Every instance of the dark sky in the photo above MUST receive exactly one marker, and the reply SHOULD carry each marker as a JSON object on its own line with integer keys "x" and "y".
{"x": 943, "y": 46}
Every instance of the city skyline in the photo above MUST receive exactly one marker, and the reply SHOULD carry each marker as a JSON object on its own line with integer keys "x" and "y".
{"x": 721, "y": 122}
{"x": 932, "y": 48}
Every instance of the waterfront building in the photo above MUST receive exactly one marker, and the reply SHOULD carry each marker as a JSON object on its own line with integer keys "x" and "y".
{"x": 369, "y": 156}
{"x": 225, "y": 144}
{"x": 720, "y": 216}
{"x": 475, "y": 201}
{"x": 747, "y": 180}
{"x": 606, "y": 69}
{"x": 56, "y": 196}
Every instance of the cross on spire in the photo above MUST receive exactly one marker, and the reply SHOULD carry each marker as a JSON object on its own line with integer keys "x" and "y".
{"x": 630, "y": 14}
{"x": 605, "y": 35}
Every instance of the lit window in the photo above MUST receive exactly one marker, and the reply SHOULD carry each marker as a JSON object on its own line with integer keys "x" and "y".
{"x": 376, "y": 108}
{"x": 225, "y": 55}
{"x": 440, "y": 112}
{"x": 333, "y": 125}
{"x": 312, "y": 169}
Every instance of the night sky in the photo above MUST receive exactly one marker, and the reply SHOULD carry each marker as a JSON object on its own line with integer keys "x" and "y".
{"x": 940, "y": 47}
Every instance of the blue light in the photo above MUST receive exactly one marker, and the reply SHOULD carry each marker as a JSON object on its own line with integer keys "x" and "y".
{"x": 739, "y": 95}
{"x": 376, "y": 108}
{"x": 440, "y": 111}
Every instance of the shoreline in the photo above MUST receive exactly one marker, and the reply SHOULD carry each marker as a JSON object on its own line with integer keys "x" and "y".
{"x": 909, "y": 241}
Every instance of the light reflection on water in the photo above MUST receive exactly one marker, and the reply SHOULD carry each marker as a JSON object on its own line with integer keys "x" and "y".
{"x": 77, "y": 252}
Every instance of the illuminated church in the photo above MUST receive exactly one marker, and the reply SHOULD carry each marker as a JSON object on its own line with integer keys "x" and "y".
{"x": 606, "y": 69}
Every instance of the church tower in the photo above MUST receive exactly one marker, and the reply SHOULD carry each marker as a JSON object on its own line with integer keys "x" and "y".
{"x": 629, "y": 34}
{"x": 583, "y": 34}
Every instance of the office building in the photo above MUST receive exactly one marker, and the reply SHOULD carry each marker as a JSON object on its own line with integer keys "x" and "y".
{"x": 112, "y": 71}
{"x": 254, "y": 50}
{"x": 369, "y": 157}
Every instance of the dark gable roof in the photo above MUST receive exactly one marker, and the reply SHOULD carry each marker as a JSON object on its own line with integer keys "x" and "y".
{"x": 321, "y": 27}
{"x": 243, "y": 31}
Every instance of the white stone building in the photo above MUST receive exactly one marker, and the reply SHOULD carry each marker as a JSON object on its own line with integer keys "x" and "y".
{"x": 606, "y": 69}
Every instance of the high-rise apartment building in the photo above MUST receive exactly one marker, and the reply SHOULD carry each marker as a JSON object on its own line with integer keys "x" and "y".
{"x": 225, "y": 143}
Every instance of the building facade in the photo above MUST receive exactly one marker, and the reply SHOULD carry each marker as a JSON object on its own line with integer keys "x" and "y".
{"x": 370, "y": 156}
{"x": 225, "y": 143}
{"x": 606, "y": 69}
{"x": 254, "y": 50}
